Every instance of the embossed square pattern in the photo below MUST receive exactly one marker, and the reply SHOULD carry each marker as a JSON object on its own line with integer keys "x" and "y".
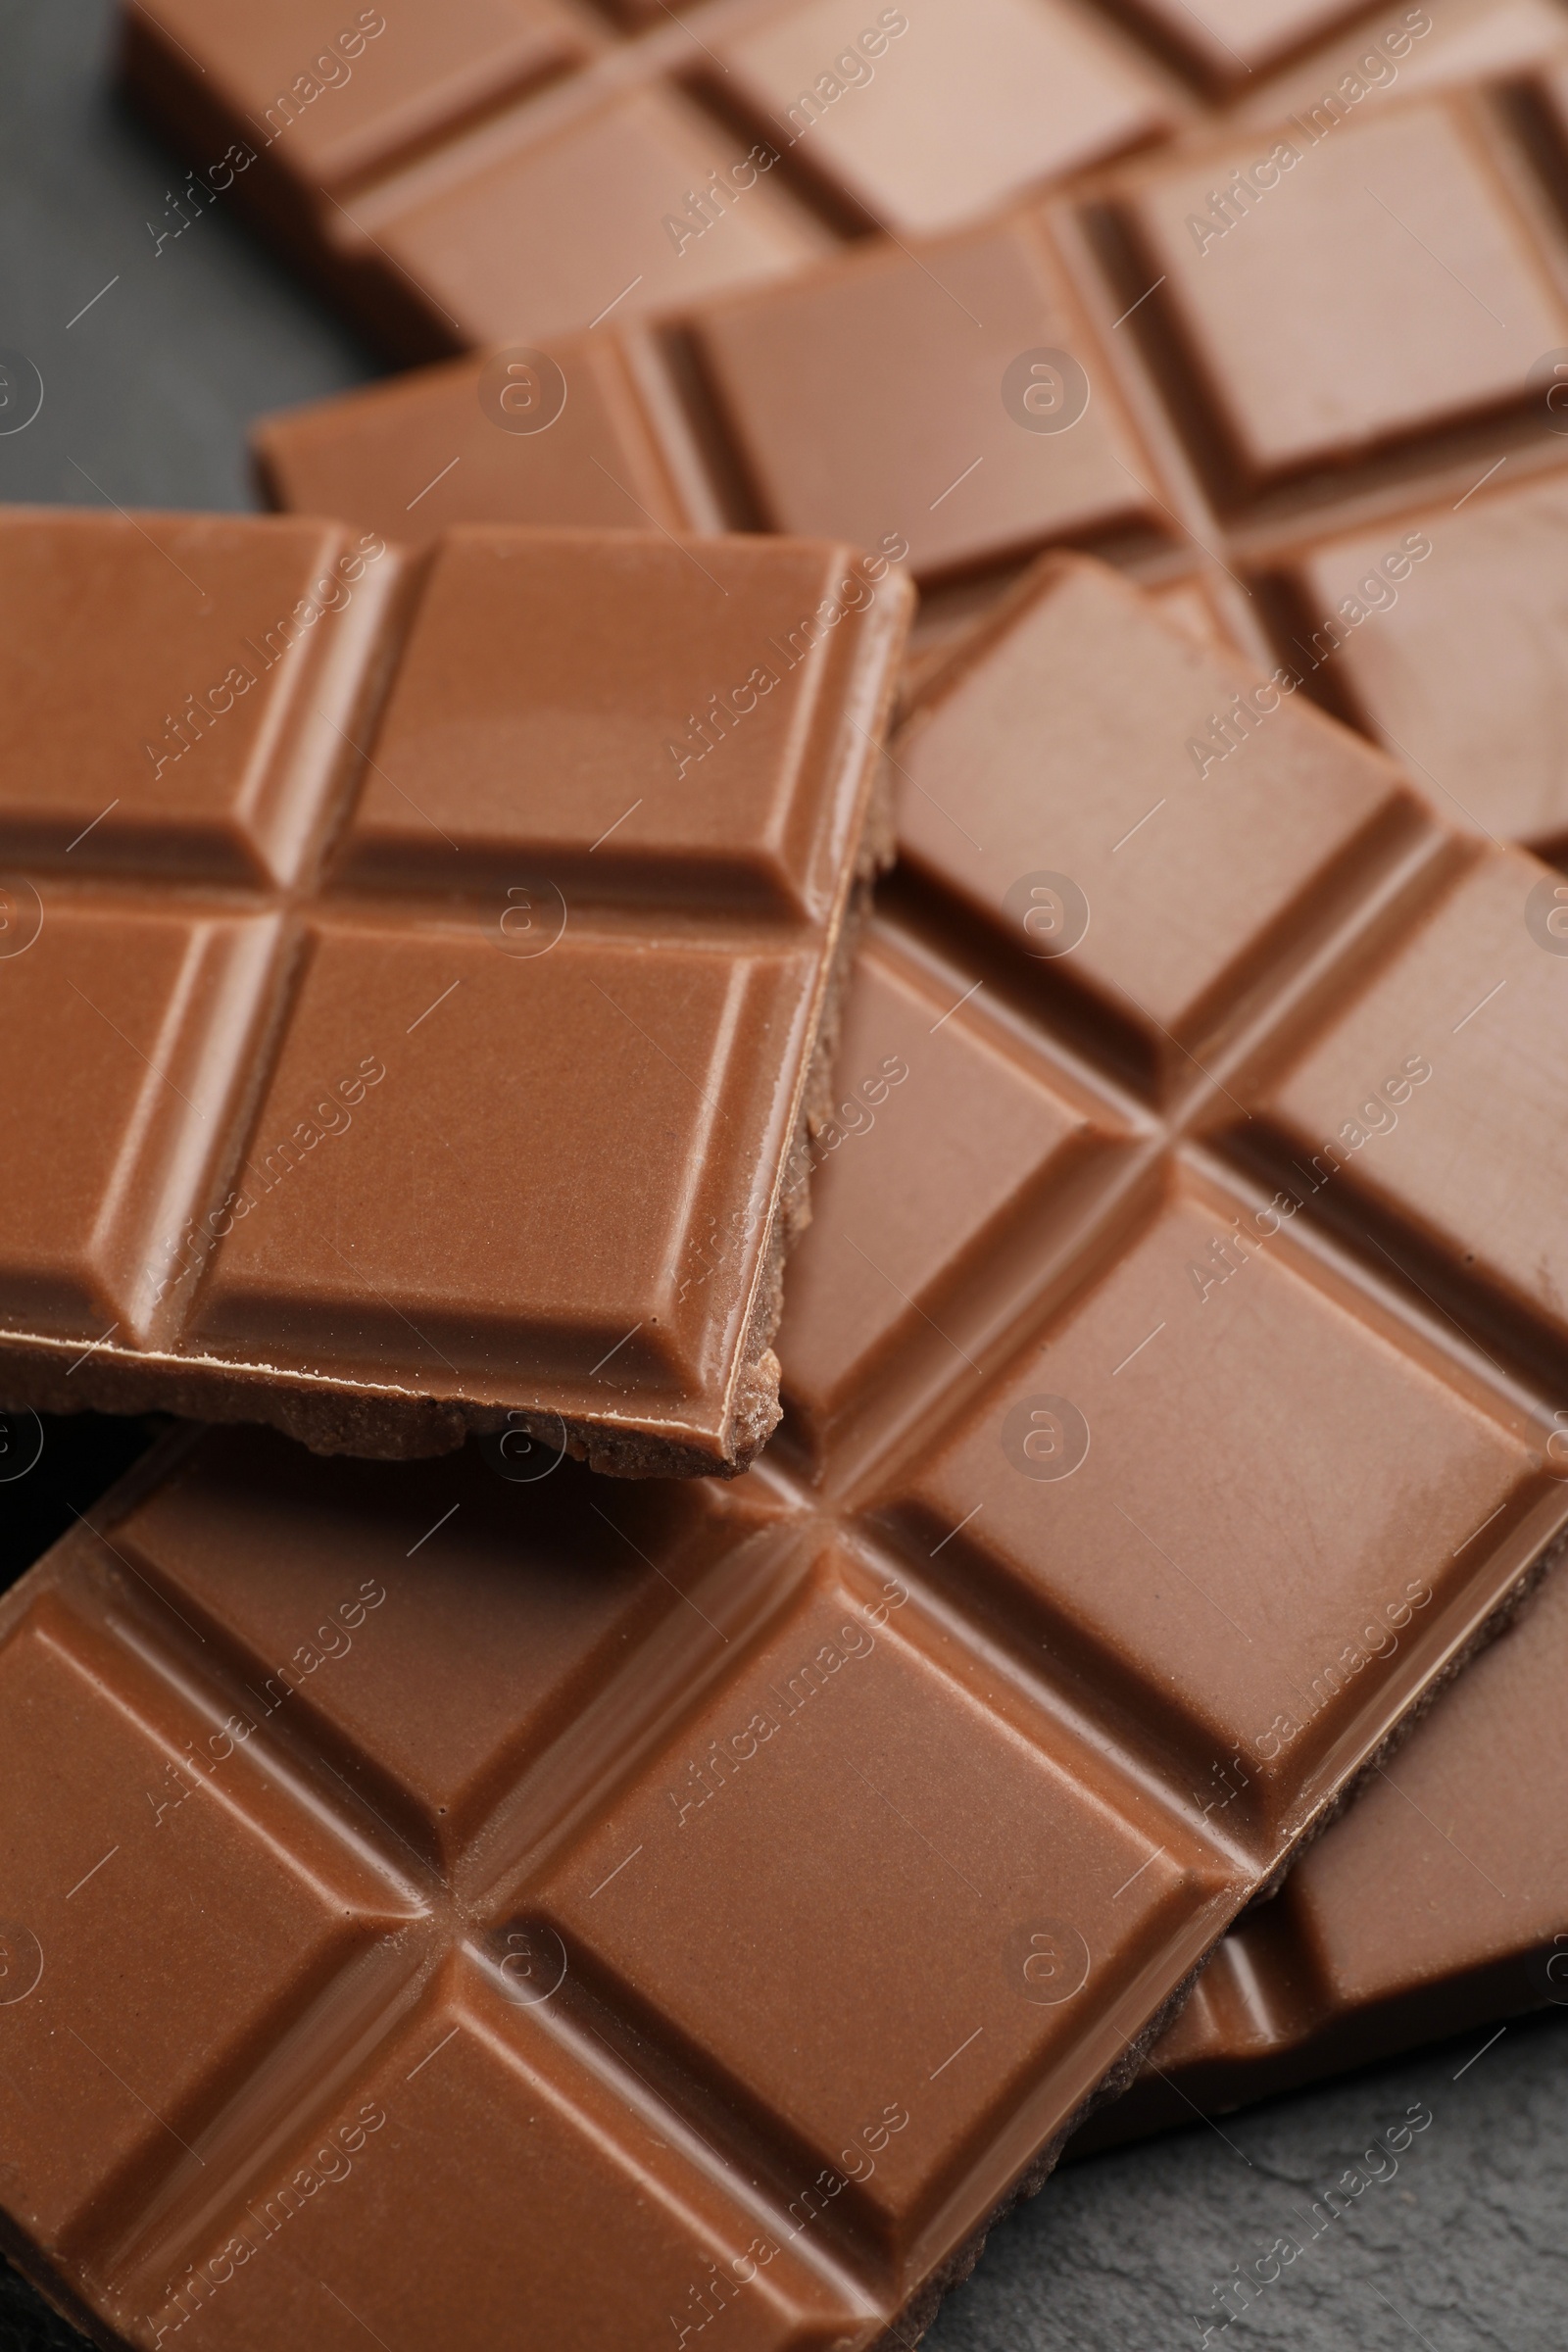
{"x": 1434, "y": 1907}
{"x": 1357, "y": 292}
{"x": 811, "y": 386}
{"x": 642, "y": 154}
{"x": 413, "y": 972}
{"x": 347, "y": 91}
{"x": 1466, "y": 675}
{"x": 652, "y": 1906}
{"x": 1322, "y": 374}
{"x": 410, "y": 160}
{"x": 955, "y": 111}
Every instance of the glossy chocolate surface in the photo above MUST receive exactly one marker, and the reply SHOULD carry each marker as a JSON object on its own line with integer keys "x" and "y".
{"x": 1313, "y": 323}
{"x": 415, "y": 971}
{"x": 1358, "y": 460}
{"x": 946, "y": 115}
{"x": 342, "y": 93}
{"x": 410, "y": 161}
{"x": 766, "y": 411}
{"x": 515, "y": 1878}
{"x": 1436, "y": 1905}
{"x": 1466, "y": 675}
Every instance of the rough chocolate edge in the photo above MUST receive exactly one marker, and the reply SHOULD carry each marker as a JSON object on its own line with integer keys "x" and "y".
{"x": 910, "y": 2322}
{"x": 1270, "y": 2082}
{"x": 758, "y": 1411}
{"x": 1512, "y": 1605}
{"x": 921, "y": 2309}
{"x": 380, "y": 1428}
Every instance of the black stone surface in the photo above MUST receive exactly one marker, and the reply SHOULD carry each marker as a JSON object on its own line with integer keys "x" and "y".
{"x": 147, "y": 393}
{"x": 1457, "y": 2241}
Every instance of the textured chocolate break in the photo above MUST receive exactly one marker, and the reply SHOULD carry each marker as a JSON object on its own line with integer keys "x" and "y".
{"x": 436, "y": 952}
{"x": 643, "y": 1907}
{"x": 1439, "y": 1902}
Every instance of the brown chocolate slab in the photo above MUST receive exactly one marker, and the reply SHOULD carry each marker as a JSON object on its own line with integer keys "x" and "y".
{"x": 775, "y": 410}
{"x": 434, "y": 954}
{"x": 1437, "y": 1903}
{"x": 1111, "y": 1481}
{"x": 1118, "y": 371}
{"x": 1231, "y": 41}
{"x": 408, "y": 160}
{"x": 923, "y": 121}
{"x": 441, "y": 445}
{"x": 340, "y": 93}
{"x": 1365, "y": 280}
{"x": 1465, "y": 673}
{"x": 412, "y": 185}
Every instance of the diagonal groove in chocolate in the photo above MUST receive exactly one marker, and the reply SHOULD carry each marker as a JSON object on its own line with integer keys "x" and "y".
{"x": 1394, "y": 1929}
{"x": 785, "y": 1957}
{"x": 380, "y": 874}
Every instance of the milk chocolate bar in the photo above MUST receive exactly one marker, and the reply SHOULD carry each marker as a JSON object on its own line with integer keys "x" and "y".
{"x": 651, "y": 1907}
{"x": 415, "y": 970}
{"x": 408, "y": 160}
{"x": 1439, "y": 1903}
{"x": 1272, "y": 366}
{"x": 758, "y": 413}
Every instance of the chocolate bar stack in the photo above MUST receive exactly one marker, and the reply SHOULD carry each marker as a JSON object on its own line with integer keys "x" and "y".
{"x": 801, "y": 1071}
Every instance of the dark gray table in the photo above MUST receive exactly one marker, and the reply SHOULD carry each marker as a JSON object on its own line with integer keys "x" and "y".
{"x": 147, "y": 391}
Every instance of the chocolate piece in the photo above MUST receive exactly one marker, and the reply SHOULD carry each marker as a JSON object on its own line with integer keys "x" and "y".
{"x": 1436, "y": 1905}
{"x": 1122, "y": 373}
{"x": 774, "y": 412}
{"x": 490, "y": 1782}
{"x": 597, "y": 462}
{"x": 1360, "y": 283}
{"x": 919, "y": 124}
{"x": 1231, "y": 41}
{"x": 407, "y": 160}
{"x": 438, "y": 955}
{"x": 1465, "y": 670}
{"x": 341, "y": 95}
